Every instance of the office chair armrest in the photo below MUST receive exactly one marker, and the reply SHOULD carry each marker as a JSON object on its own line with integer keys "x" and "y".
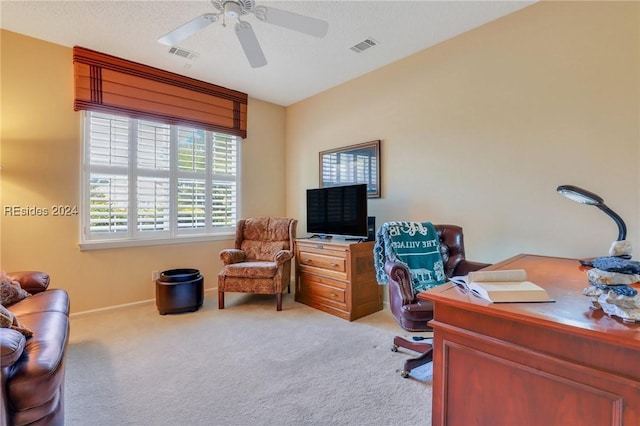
{"x": 229, "y": 256}
{"x": 466, "y": 266}
{"x": 418, "y": 306}
{"x": 283, "y": 256}
{"x": 400, "y": 279}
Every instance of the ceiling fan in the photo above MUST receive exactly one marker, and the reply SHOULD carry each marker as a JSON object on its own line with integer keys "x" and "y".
{"x": 233, "y": 10}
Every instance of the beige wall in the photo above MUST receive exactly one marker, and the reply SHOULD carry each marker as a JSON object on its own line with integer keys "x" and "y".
{"x": 41, "y": 167}
{"x": 481, "y": 129}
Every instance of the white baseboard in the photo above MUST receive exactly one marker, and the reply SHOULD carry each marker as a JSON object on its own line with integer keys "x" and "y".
{"x": 385, "y": 305}
{"x": 124, "y": 305}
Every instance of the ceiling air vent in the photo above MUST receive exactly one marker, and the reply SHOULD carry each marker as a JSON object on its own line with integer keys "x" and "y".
{"x": 364, "y": 45}
{"x": 183, "y": 53}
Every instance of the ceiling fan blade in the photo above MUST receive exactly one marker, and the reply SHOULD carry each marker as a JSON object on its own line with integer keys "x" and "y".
{"x": 250, "y": 44}
{"x": 185, "y": 31}
{"x": 292, "y": 21}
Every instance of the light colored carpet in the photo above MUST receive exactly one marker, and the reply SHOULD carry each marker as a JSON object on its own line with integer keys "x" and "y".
{"x": 244, "y": 365}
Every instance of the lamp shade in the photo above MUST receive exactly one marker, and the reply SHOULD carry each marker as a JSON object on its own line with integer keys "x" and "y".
{"x": 583, "y": 196}
{"x": 580, "y": 195}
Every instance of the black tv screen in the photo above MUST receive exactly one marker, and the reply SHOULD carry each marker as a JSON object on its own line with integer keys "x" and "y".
{"x": 337, "y": 210}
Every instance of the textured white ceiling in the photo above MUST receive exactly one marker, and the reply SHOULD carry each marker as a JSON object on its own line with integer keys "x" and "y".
{"x": 298, "y": 66}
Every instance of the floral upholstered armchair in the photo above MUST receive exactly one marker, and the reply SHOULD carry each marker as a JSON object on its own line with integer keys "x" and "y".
{"x": 260, "y": 262}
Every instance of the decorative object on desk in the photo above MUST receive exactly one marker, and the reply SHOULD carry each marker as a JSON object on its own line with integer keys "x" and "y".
{"x": 620, "y": 247}
{"x": 352, "y": 164}
{"x": 611, "y": 281}
{"x": 611, "y": 277}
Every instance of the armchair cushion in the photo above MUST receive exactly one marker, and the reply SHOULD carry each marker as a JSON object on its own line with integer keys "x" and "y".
{"x": 251, "y": 269}
{"x": 261, "y": 250}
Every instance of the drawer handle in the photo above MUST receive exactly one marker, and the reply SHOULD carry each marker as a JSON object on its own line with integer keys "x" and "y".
{"x": 334, "y": 264}
{"x": 333, "y": 295}
{"x": 308, "y": 261}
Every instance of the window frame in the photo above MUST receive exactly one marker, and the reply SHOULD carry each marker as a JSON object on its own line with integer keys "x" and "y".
{"x": 133, "y": 236}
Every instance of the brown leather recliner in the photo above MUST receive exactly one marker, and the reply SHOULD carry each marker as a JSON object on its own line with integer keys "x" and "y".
{"x": 412, "y": 314}
{"x": 32, "y": 379}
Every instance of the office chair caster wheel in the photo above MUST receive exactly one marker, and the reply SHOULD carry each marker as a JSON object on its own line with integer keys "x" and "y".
{"x": 404, "y": 374}
{"x": 394, "y": 348}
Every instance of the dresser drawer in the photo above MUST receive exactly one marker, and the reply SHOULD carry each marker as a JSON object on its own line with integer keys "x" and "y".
{"x": 316, "y": 260}
{"x": 321, "y": 289}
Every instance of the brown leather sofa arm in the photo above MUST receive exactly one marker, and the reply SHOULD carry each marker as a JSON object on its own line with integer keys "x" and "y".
{"x": 399, "y": 274}
{"x": 229, "y": 256}
{"x": 11, "y": 346}
{"x": 466, "y": 266}
{"x": 31, "y": 281}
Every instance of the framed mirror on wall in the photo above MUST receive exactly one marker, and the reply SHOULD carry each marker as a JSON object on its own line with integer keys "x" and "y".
{"x": 352, "y": 164}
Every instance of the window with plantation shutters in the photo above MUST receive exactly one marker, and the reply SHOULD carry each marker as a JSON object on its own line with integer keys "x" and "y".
{"x": 146, "y": 182}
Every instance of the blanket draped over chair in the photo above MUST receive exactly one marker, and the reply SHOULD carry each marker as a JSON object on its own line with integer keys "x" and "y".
{"x": 417, "y": 245}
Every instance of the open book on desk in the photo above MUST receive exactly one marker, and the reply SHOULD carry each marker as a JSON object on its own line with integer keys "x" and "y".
{"x": 502, "y": 286}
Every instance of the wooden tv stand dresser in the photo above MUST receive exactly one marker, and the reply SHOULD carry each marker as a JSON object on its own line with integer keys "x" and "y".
{"x": 532, "y": 364}
{"x": 337, "y": 277}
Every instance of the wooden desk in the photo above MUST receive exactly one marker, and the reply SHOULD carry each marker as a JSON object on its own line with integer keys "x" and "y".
{"x": 533, "y": 364}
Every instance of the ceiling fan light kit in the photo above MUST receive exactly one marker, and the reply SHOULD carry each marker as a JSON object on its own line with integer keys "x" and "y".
{"x": 234, "y": 9}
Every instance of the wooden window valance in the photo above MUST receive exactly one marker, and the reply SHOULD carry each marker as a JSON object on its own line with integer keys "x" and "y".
{"x": 109, "y": 84}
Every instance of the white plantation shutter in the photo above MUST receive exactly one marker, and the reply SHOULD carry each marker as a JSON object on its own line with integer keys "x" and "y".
{"x": 109, "y": 143}
{"x": 108, "y": 180}
{"x": 153, "y": 204}
{"x": 153, "y": 189}
{"x": 154, "y": 146}
{"x": 192, "y": 172}
{"x": 108, "y": 203}
{"x": 224, "y": 166}
{"x": 151, "y": 181}
{"x": 192, "y": 150}
{"x": 223, "y": 202}
{"x": 191, "y": 204}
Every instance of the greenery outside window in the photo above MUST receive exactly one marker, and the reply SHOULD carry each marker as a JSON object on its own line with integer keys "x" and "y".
{"x": 147, "y": 182}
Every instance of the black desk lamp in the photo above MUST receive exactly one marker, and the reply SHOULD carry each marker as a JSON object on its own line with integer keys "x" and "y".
{"x": 586, "y": 197}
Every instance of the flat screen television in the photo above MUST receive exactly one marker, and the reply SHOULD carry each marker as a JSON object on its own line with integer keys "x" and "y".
{"x": 337, "y": 210}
